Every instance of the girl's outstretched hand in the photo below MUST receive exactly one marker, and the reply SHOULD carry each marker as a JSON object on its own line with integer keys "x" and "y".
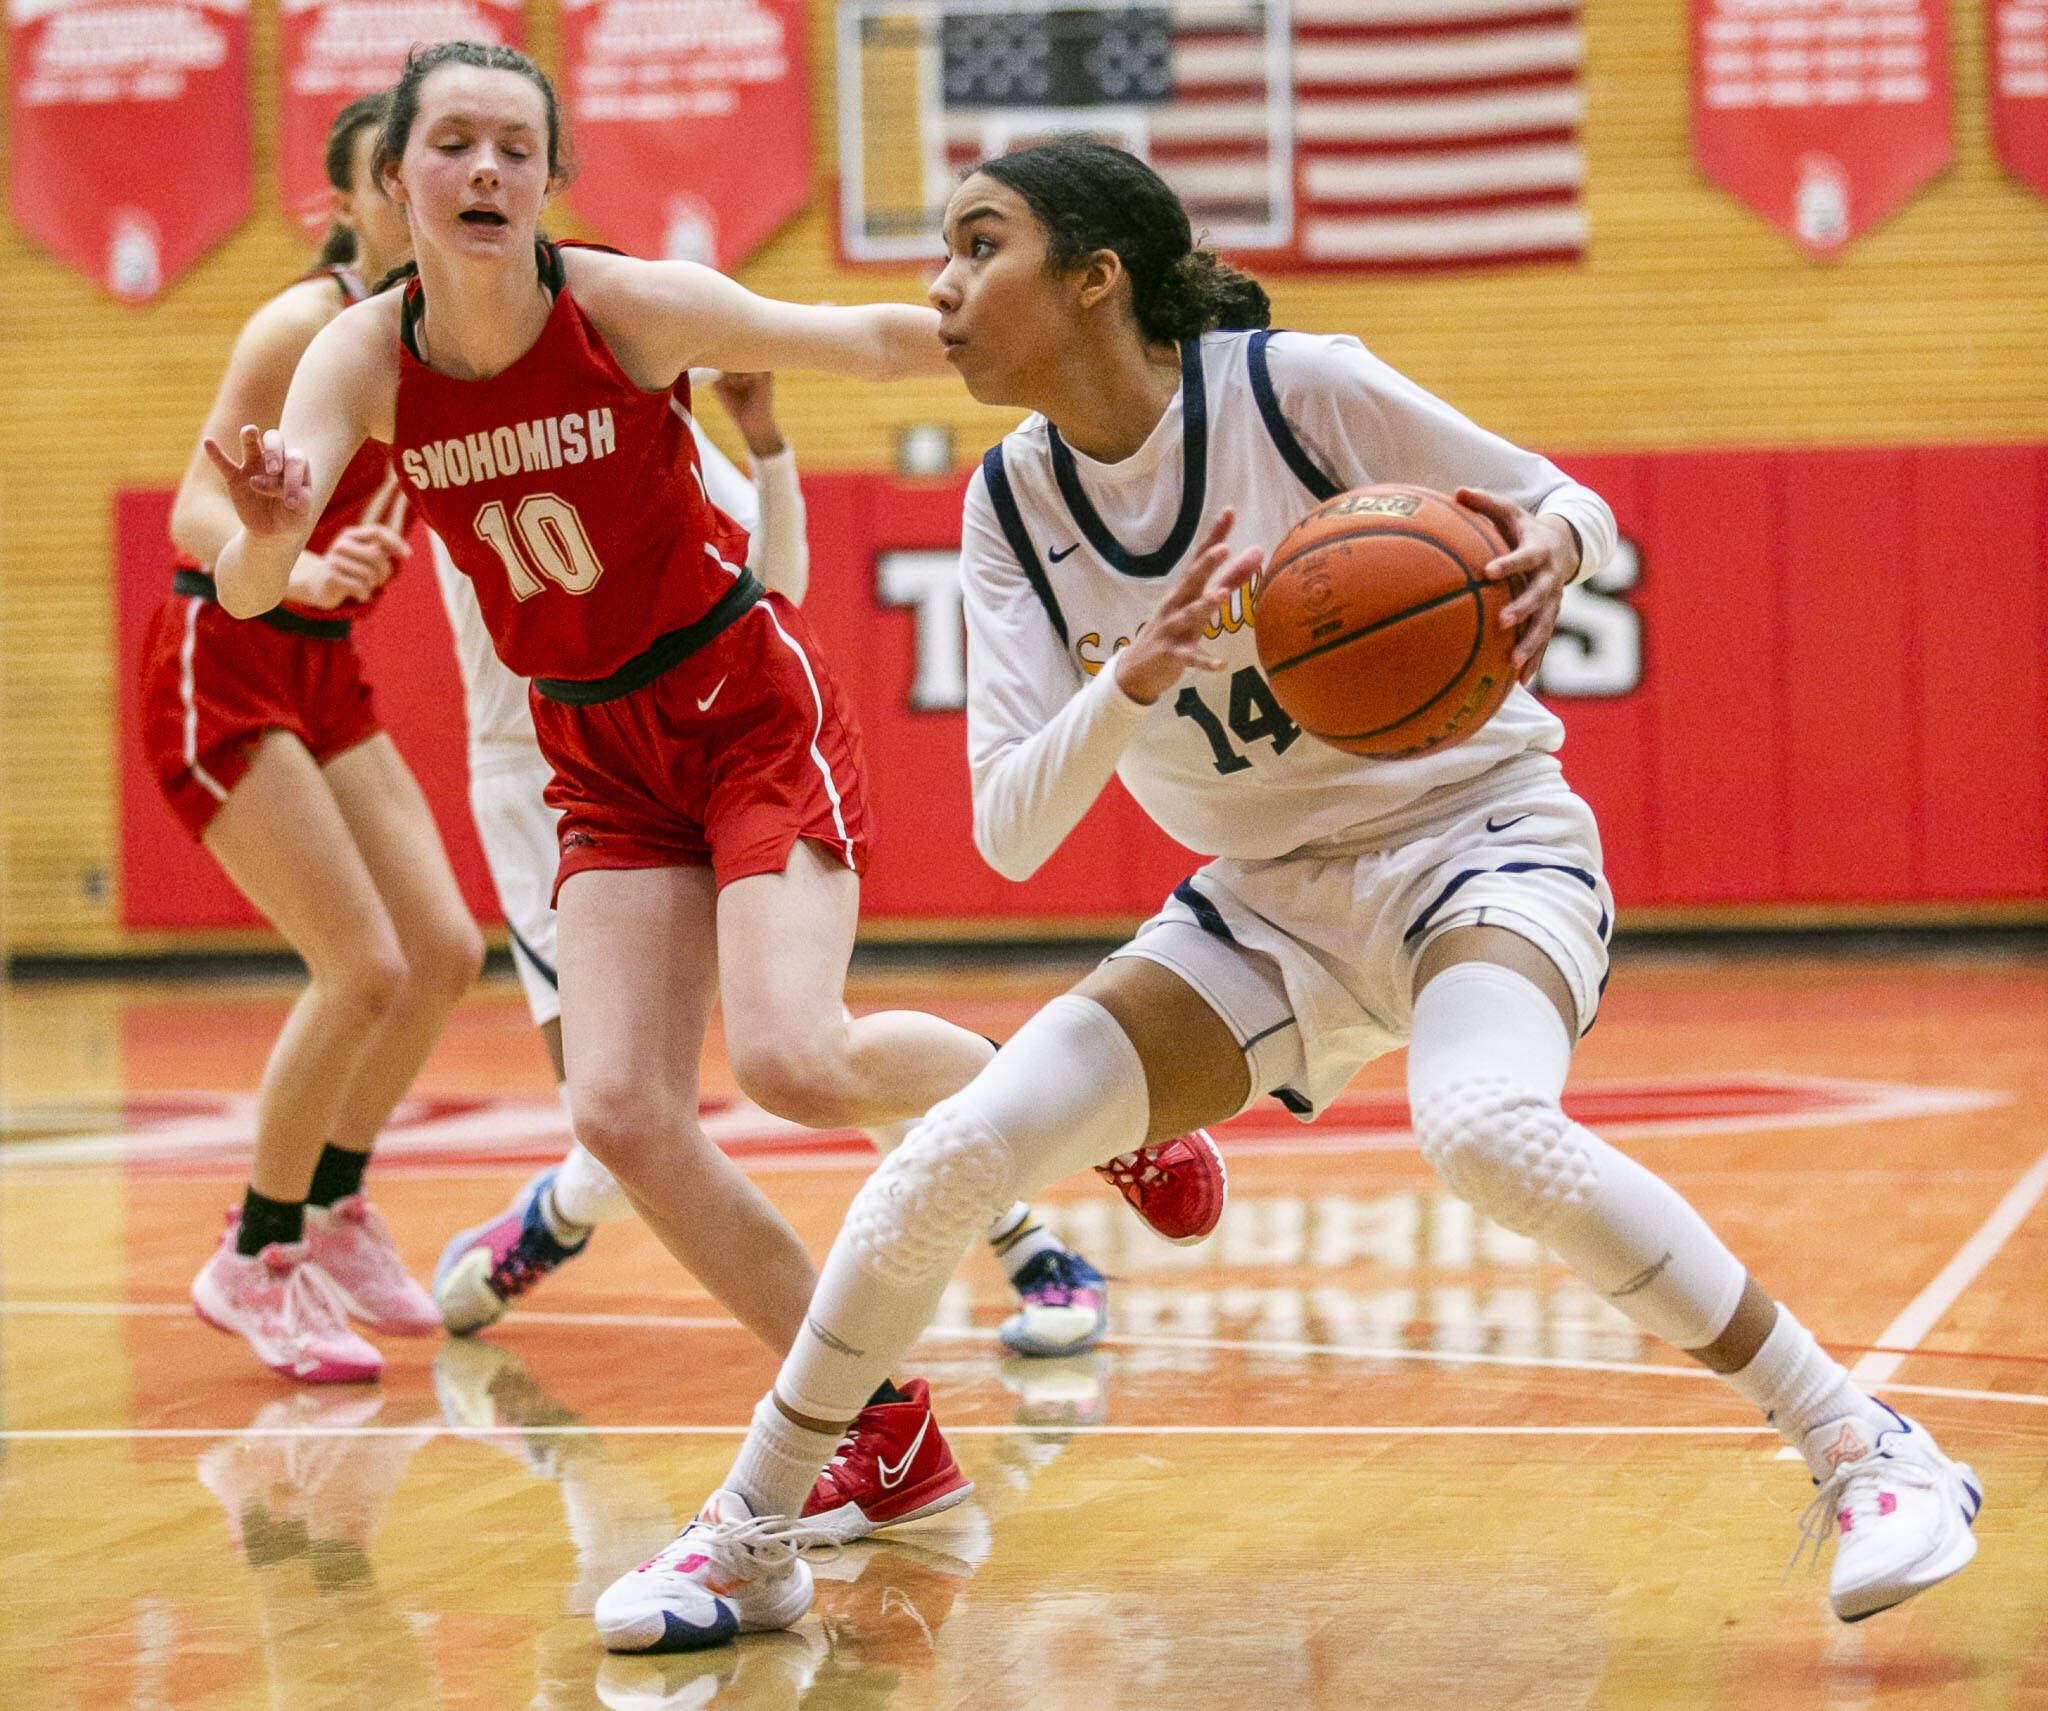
{"x": 269, "y": 487}
{"x": 1169, "y": 644}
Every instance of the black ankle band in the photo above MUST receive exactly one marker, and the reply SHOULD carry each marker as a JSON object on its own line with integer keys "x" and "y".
{"x": 265, "y": 1220}
{"x": 338, "y": 1175}
{"x": 885, "y": 1392}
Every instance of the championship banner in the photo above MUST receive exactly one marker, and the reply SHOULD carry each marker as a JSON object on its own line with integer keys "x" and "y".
{"x": 331, "y": 51}
{"x": 692, "y": 122}
{"x": 1822, "y": 115}
{"x": 130, "y": 132}
{"x": 2019, "y": 88}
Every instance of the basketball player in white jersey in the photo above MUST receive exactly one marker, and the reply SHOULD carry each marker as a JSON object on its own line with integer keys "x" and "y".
{"x": 1063, "y": 1305}
{"x": 1452, "y": 902}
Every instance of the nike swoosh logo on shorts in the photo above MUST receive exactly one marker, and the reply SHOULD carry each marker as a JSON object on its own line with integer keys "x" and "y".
{"x": 893, "y": 1476}
{"x": 1505, "y": 824}
{"x": 1065, "y": 553}
{"x": 704, "y": 706}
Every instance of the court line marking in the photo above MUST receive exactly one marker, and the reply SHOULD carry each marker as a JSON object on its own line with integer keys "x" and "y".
{"x": 226, "y": 1135}
{"x": 429, "y": 1429}
{"x": 976, "y": 1333}
{"x": 1925, "y": 1310}
{"x": 686, "y": 1322}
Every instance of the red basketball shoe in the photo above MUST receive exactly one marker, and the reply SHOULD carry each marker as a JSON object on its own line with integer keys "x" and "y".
{"x": 891, "y": 1466}
{"x": 1177, "y": 1187}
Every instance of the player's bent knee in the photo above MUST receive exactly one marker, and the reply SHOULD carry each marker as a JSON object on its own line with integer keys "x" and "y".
{"x": 625, "y": 1129}
{"x": 798, "y": 1083}
{"x": 1513, "y": 1154}
{"x": 448, "y": 963}
{"x": 367, "y": 982}
{"x": 929, "y": 1198}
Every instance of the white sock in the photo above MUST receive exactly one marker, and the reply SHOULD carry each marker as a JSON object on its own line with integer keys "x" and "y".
{"x": 1800, "y": 1387}
{"x": 1065, "y": 1094}
{"x": 779, "y": 1462}
{"x": 585, "y": 1193}
{"x": 1486, "y": 1065}
{"x": 1019, "y": 1239}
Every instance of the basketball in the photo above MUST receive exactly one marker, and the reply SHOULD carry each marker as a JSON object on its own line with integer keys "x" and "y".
{"x": 1376, "y": 628}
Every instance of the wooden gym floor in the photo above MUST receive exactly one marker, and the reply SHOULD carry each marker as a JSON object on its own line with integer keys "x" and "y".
{"x": 1353, "y": 1452}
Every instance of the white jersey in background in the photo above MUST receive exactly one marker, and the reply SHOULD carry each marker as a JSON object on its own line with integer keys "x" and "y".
{"x": 1064, "y": 558}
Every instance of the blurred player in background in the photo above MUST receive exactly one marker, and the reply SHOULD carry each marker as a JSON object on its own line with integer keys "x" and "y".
{"x": 707, "y": 767}
{"x": 1062, "y": 1299}
{"x": 263, "y": 736}
{"x": 1452, "y": 901}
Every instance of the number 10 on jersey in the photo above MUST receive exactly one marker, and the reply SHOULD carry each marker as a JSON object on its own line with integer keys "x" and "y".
{"x": 546, "y": 527}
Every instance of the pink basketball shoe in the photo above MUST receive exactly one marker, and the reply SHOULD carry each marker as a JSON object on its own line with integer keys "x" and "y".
{"x": 351, "y": 1243}
{"x": 290, "y": 1311}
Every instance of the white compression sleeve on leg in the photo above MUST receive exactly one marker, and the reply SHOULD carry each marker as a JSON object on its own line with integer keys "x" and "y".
{"x": 1065, "y": 1094}
{"x": 1486, "y": 1066}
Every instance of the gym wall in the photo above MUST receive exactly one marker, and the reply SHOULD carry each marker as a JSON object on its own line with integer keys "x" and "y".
{"x": 1689, "y": 328}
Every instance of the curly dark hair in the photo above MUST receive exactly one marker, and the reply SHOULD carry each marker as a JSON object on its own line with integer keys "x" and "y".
{"x": 1089, "y": 197}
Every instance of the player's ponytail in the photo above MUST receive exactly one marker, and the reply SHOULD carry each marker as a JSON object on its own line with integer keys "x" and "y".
{"x": 364, "y": 113}
{"x": 1091, "y": 197}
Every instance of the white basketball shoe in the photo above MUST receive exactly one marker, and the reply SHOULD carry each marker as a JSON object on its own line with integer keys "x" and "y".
{"x": 1900, "y": 1509}
{"x": 728, "y": 1572}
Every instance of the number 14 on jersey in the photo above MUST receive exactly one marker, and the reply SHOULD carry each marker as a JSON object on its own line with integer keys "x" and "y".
{"x": 1255, "y": 717}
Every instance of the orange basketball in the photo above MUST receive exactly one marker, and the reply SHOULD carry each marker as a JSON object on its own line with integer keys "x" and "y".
{"x": 1375, "y": 627}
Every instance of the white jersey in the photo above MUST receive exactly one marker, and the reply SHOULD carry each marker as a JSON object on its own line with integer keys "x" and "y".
{"x": 770, "y": 509}
{"x": 1064, "y": 558}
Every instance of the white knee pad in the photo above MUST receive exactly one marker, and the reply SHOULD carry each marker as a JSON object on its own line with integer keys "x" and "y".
{"x": 1510, "y": 1151}
{"x": 930, "y": 1197}
{"x": 1485, "y": 1069}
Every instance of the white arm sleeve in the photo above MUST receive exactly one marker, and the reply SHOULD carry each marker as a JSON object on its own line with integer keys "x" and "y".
{"x": 1363, "y": 421}
{"x": 1042, "y": 739}
{"x": 781, "y": 552}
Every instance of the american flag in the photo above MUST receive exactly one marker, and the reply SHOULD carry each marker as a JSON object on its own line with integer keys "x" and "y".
{"x": 1438, "y": 131}
{"x": 1424, "y": 132}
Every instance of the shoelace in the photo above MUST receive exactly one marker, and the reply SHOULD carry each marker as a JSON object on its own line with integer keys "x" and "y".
{"x": 1124, "y": 1168}
{"x": 313, "y": 1305}
{"x": 742, "y": 1548}
{"x": 1848, "y": 1487}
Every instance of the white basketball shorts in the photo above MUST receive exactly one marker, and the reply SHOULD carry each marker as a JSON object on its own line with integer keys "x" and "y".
{"x": 517, "y": 831}
{"x": 1310, "y": 958}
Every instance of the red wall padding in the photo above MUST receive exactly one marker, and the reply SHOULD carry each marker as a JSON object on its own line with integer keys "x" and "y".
{"x": 1844, "y": 697}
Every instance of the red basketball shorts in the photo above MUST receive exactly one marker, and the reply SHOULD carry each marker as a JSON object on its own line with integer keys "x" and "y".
{"x": 212, "y": 685}
{"x": 724, "y": 761}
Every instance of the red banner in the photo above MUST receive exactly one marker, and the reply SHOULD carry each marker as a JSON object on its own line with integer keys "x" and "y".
{"x": 130, "y": 132}
{"x": 331, "y": 51}
{"x": 1822, "y": 115}
{"x": 693, "y": 122}
{"x": 2019, "y": 87}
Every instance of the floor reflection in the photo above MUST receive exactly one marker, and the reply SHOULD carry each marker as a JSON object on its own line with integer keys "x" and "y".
{"x": 304, "y": 1489}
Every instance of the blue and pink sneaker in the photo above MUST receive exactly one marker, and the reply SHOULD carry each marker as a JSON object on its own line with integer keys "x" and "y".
{"x": 483, "y": 1270}
{"x": 1062, "y": 1306}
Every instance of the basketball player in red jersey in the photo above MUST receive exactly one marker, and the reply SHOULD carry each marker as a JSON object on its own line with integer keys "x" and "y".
{"x": 264, "y": 739}
{"x": 707, "y": 767}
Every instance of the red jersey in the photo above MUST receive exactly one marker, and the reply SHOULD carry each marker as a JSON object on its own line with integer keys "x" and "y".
{"x": 569, "y": 496}
{"x": 368, "y": 492}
